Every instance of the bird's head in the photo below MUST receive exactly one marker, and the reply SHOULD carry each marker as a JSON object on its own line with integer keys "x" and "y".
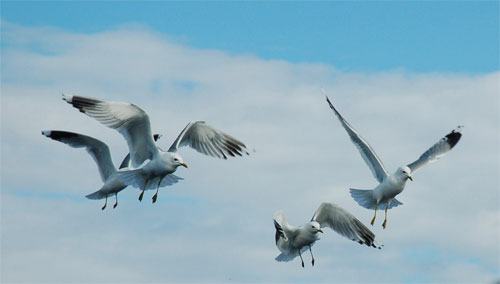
{"x": 404, "y": 172}
{"x": 176, "y": 160}
{"x": 314, "y": 228}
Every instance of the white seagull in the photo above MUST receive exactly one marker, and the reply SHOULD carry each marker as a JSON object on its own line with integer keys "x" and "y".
{"x": 154, "y": 167}
{"x": 99, "y": 151}
{"x": 293, "y": 241}
{"x": 382, "y": 196}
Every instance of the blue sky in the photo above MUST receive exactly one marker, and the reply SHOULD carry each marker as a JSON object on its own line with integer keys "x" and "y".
{"x": 403, "y": 74}
{"x": 447, "y": 36}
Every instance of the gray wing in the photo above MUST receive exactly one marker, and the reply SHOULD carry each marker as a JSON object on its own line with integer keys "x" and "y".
{"x": 126, "y": 161}
{"x": 284, "y": 232}
{"x": 437, "y": 150}
{"x": 368, "y": 154}
{"x": 344, "y": 223}
{"x": 130, "y": 120}
{"x": 96, "y": 148}
{"x": 208, "y": 140}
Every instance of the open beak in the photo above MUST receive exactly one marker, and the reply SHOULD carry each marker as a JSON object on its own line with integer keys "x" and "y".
{"x": 319, "y": 230}
{"x": 184, "y": 165}
{"x": 410, "y": 178}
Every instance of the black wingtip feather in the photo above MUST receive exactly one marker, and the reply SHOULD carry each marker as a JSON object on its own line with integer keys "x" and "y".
{"x": 333, "y": 108}
{"x": 58, "y": 135}
{"x": 279, "y": 231}
{"x": 454, "y": 136}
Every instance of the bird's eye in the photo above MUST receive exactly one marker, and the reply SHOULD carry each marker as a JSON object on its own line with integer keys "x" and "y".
{"x": 176, "y": 159}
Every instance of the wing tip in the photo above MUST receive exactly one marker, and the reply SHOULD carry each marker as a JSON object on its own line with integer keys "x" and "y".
{"x": 157, "y": 136}
{"x": 67, "y": 98}
{"x": 454, "y": 136}
{"x": 58, "y": 135}
{"x": 333, "y": 108}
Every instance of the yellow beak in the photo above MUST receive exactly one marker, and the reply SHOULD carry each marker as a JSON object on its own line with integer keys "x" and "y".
{"x": 410, "y": 178}
{"x": 321, "y": 231}
{"x": 184, "y": 165}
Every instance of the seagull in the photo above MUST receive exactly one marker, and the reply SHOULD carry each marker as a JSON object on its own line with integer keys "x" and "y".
{"x": 101, "y": 155}
{"x": 151, "y": 166}
{"x": 293, "y": 241}
{"x": 383, "y": 196}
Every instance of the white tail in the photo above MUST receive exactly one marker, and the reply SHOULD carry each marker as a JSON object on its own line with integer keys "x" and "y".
{"x": 286, "y": 257}
{"x": 96, "y": 195}
{"x": 364, "y": 197}
{"x": 137, "y": 178}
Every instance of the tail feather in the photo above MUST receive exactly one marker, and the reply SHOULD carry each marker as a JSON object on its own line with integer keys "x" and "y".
{"x": 290, "y": 255}
{"x": 286, "y": 257}
{"x": 364, "y": 197}
{"x": 395, "y": 203}
{"x": 170, "y": 179}
{"x": 96, "y": 195}
{"x": 137, "y": 178}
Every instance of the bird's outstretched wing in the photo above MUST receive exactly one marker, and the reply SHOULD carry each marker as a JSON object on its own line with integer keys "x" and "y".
{"x": 208, "y": 140}
{"x": 368, "y": 154}
{"x": 344, "y": 223}
{"x": 284, "y": 231}
{"x": 438, "y": 150}
{"x": 96, "y": 148}
{"x": 284, "y": 237}
{"x": 130, "y": 120}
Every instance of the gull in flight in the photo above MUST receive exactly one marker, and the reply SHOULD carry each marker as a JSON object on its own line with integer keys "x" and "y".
{"x": 293, "y": 241}
{"x": 99, "y": 151}
{"x": 383, "y": 196}
{"x": 152, "y": 166}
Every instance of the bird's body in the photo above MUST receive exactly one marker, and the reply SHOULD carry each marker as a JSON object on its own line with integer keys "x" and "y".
{"x": 112, "y": 185}
{"x": 383, "y": 194}
{"x": 152, "y": 167}
{"x": 391, "y": 186}
{"x": 300, "y": 240}
{"x": 382, "y": 197}
{"x": 293, "y": 241}
{"x": 99, "y": 151}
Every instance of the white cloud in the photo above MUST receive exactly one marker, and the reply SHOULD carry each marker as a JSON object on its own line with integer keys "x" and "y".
{"x": 216, "y": 224}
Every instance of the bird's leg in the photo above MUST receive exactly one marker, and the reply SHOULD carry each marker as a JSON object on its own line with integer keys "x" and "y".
{"x": 312, "y": 256}
{"x": 143, "y": 189}
{"x": 156, "y": 194}
{"x": 301, "y": 258}
{"x": 105, "y": 202}
{"x": 373, "y": 220}
{"x": 116, "y": 200}
{"x": 385, "y": 220}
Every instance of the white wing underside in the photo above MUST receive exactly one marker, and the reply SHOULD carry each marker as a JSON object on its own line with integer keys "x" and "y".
{"x": 97, "y": 149}
{"x": 344, "y": 223}
{"x": 285, "y": 233}
{"x": 366, "y": 151}
{"x": 128, "y": 119}
{"x": 437, "y": 150}
{"x": 208, "y": 140}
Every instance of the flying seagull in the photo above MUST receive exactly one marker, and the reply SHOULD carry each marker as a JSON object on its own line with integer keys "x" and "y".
{"x": 101, "y": 155}
{"x": 293, "y": 241}
{"x": 383, "y": 196}
{"x": 154, "y": 167}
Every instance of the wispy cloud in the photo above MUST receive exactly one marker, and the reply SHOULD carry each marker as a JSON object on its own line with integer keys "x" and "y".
{"x": 216, "y": 225}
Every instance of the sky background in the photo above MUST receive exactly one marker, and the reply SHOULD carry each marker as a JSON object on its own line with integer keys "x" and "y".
{"x": 402, "y": 73}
